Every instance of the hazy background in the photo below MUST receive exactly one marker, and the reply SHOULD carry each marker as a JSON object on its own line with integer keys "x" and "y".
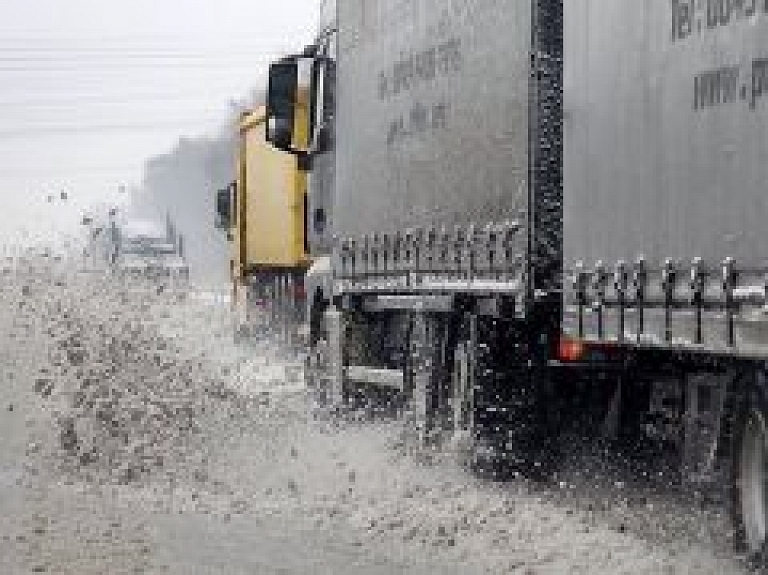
{"x": 92, "y": 89}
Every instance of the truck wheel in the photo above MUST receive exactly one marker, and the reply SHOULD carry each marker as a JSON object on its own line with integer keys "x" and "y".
{"x": 418, "y": 384}
{"x": 428, "y": 401}
{"x": 317, "y": 374}
{"x": 488, "y": 445}
{"x": 750, "y": 477}
{"x": 511, "y": 433}
{"x": 462, "y": 404}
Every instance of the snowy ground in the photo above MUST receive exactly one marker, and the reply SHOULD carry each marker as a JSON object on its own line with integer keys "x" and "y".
{"x": 138, "y": 438}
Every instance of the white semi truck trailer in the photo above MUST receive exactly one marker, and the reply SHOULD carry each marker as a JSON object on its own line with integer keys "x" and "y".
{"x": 543, "y": 215}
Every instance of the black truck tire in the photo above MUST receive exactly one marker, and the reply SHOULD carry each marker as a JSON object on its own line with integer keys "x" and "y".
{"x": 462, "y": 405}
{"x": 317, "y": 367}
{"x": 420, "y": 375}
{"x": 511, "y": 432}
{"x": 749, "y": 474}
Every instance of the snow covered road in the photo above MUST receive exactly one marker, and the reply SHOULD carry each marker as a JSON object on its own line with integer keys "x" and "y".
{"x": 138, "y": 438}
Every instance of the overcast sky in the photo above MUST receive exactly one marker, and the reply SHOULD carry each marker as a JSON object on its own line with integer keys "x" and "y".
{"x": 90, "y": 88}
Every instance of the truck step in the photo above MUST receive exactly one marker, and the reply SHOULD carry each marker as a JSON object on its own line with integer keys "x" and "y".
{"x": 392, "y": 378}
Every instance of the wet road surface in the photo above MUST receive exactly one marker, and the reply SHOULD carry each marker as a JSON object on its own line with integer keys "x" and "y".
{"x": 138, "y": 438}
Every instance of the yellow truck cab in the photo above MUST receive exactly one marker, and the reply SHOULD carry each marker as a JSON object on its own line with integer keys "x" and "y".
{"x": 265, "y": 214}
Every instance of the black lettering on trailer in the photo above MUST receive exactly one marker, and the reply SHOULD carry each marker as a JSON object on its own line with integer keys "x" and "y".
{"x": 413, "y": 69}
{"x": 690, "y": 17}
{"x": 682, "y": 19}
{"x": 759, "y": 80}
{"x": 746, "y": 7}
{"x": 750, "y": 7}
{"x": 421, "y": 118}
{"x": 716, "y": 87}
{"x": 719, "y": 12}
{"x": 403, "y": 75}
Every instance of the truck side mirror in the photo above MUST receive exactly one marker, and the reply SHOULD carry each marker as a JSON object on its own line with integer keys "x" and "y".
{"x": 281, "y": 100}
{"x": 223, "y": 210}
{"x": 323, "y": 104}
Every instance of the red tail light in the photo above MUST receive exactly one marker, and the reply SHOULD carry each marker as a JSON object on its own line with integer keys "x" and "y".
{"x": 570, "y": 350}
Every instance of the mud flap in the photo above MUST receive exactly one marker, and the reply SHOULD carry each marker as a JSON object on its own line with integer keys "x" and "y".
{"x": 510, "y": 431}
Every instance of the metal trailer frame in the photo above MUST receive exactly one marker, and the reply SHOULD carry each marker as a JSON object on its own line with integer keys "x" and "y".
{"x": 437, "y": 288}
{"x": 535, "y": 343}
